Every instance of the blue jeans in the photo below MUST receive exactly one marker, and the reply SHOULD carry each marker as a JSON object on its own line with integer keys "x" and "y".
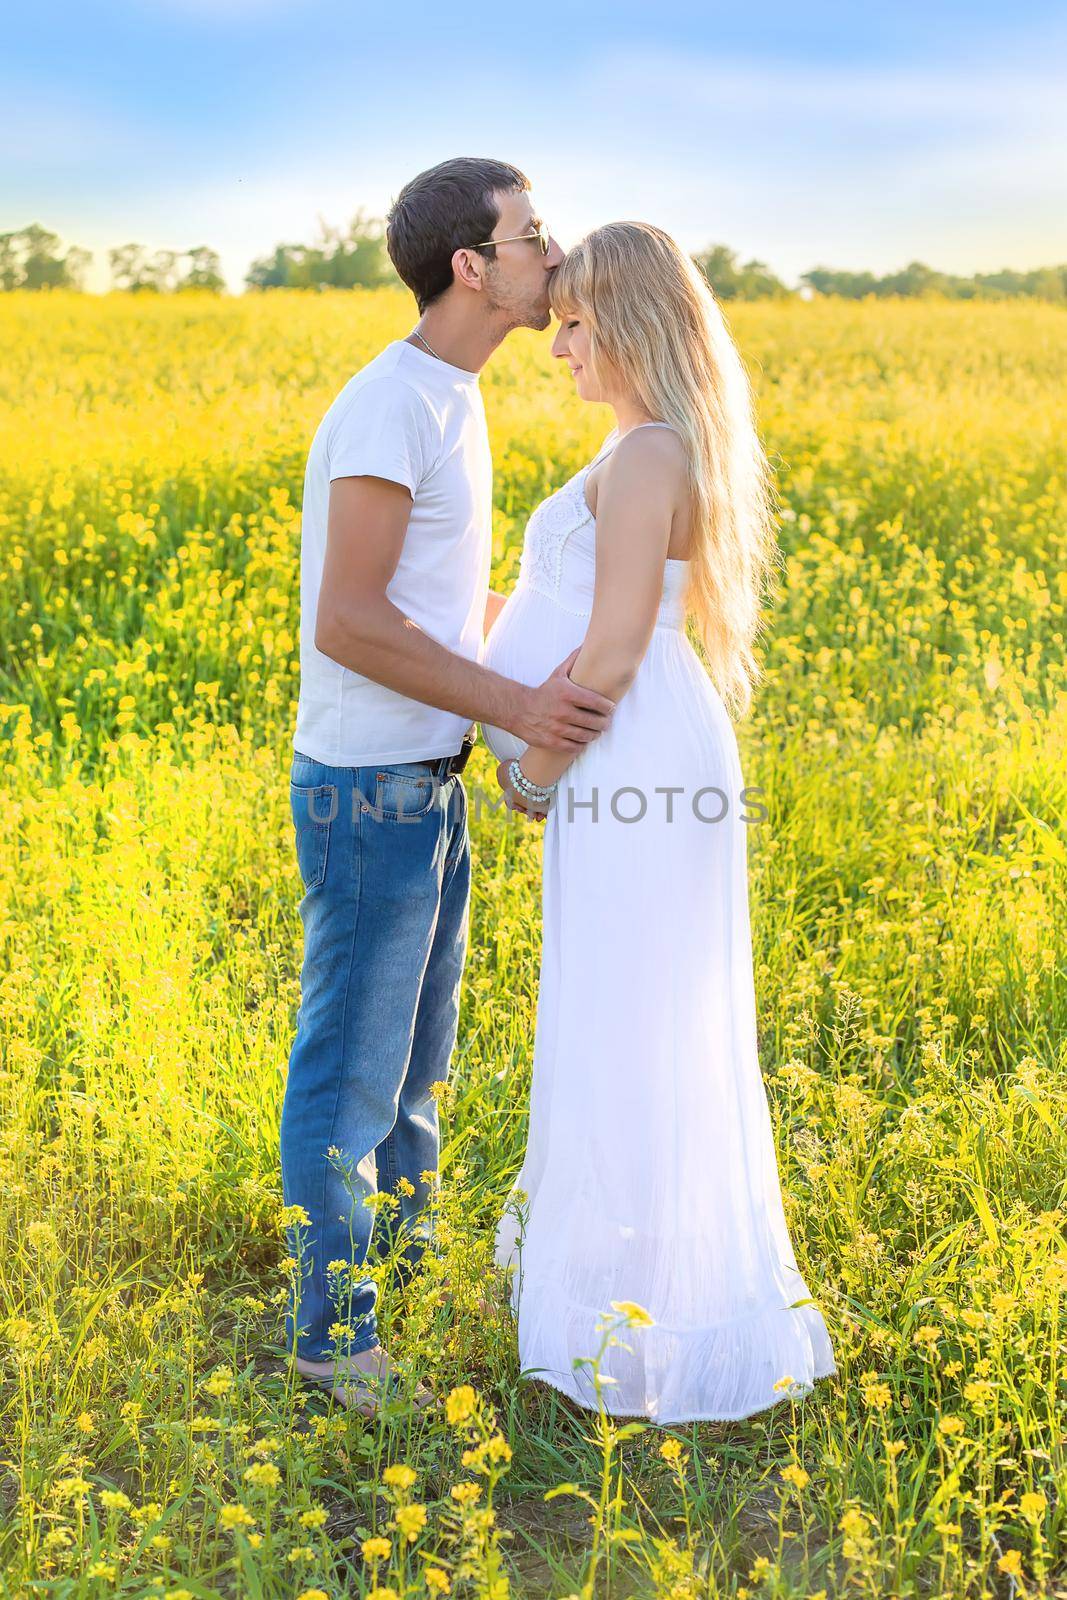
{"x": 384, "y": 859}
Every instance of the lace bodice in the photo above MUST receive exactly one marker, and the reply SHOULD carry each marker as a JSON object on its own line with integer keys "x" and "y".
{"x": 559, "y": 550}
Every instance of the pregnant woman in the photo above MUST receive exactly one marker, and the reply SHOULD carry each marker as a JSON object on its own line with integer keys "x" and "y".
{"x": 650, "y": 1172}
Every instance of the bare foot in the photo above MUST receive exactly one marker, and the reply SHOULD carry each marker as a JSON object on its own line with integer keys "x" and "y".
{"x": 362, "y": 1382}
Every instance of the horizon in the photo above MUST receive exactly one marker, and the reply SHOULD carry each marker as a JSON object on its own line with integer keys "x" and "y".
{"x": 100, "y": 268}
{"x": 858, "y": 142}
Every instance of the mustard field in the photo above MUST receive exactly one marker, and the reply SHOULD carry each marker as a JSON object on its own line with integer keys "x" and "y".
{"x": 909, "y": 906}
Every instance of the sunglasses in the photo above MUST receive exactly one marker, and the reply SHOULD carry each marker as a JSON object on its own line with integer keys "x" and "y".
{"x": 542, "y": 236}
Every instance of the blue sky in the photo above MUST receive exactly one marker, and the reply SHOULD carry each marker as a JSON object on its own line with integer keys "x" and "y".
{"x": 856, "y": 135}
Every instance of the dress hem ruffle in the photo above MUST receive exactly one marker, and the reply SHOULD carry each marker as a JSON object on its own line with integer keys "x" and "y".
{"x": 674, "y": 1422}
{"x": 798, "y": 1347}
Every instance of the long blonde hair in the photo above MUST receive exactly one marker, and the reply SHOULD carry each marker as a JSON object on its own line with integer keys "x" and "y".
{"x": 652, "y": 318}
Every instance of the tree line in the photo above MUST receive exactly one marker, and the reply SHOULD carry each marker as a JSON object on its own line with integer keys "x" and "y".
{"x": 356, "y": 257}
{"x": 33, "y": 258}
{"x": 753, "y": 280}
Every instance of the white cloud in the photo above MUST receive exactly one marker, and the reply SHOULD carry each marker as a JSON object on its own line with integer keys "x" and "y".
{"x": 869, "y": 94}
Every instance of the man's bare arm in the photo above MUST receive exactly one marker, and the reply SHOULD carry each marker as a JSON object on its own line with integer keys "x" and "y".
{"x": 358, "y": 626}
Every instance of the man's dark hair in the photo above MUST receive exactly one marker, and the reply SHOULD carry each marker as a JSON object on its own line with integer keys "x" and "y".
{"x": 447, "y": 208}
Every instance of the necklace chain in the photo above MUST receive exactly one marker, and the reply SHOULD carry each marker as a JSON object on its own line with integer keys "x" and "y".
{"x": 429, "y": 346}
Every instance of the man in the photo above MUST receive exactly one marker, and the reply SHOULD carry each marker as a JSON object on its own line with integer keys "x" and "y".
{"x": 395, "y": 601}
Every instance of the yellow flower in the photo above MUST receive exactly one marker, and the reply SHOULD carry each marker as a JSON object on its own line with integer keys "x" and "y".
{"x": 466, "y": 1493}
{"x": 878, "y": 1395}
{"x": 313, "y": 1594}
{"x": 459, "y": 1407}
{"x": 635, "y": 1315}
{"x": 72, "y": 1488}
{"x": 410, "y": 1521}
{"x": 1012, "y": 1562}
{"x": 437, "y": 1580}
{"x": 951, "y": 1426}
{"x": 796, "y": 1475}
{"x": 114, "y": 1500}
{"x": 268, "y": 1446}
{"x": 783, "y": 1384}
{"x": 857, "y": 1543}
{"x": 85, "y": 1423}
{"x": 263, "y": 1475}
{"x": 979, "y": 1393}
{"x": 376, "y": 1548}
{"x": 315, "y": 1518}
{"x": 399, "y": 1476}
{"x": 1032, "y": 1505}
{"x": 236, "y": 1516}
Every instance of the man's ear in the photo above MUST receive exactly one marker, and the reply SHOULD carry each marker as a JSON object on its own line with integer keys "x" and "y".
{"x": 469, "y": 268}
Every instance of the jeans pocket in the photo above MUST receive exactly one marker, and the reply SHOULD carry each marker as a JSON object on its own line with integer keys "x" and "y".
{"x": 402, "y": 793}
{"x": 313, "y": 811}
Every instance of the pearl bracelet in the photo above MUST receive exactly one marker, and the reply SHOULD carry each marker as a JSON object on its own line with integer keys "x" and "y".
{"x": 538, "y": 794}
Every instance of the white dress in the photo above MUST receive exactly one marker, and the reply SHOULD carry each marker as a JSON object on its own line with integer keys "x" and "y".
{"x": 650, "y": 1166}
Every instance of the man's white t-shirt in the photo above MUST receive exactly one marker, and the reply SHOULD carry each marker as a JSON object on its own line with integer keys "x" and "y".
{"x": 415, "y": 420}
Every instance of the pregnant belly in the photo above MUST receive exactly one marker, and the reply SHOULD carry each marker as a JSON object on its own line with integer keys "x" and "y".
{"x": 529, "y": 639}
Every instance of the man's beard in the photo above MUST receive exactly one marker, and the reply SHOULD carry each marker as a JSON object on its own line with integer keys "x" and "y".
{"x": 521, "y": 313}
{"x": 543, "y": 320}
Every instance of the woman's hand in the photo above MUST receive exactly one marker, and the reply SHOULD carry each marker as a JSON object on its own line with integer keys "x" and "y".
{"x": 515, "y": 802}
